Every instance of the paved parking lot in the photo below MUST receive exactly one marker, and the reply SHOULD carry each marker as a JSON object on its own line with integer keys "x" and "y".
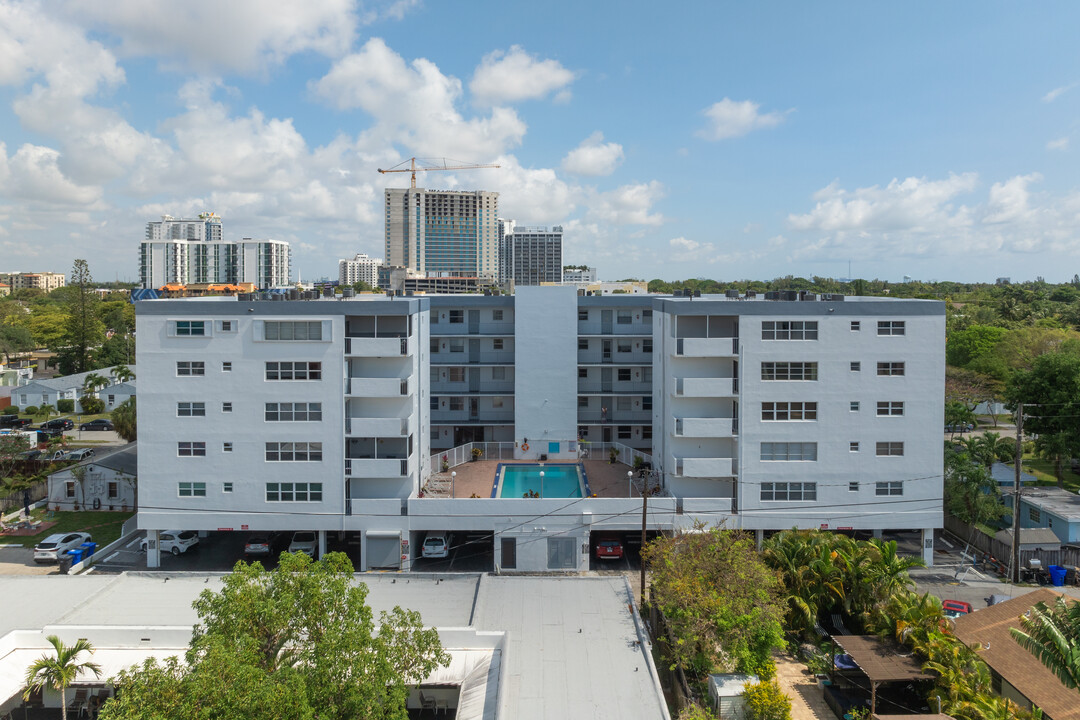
{"x": 20, "y": 561}
{"x": 474, "y": 553}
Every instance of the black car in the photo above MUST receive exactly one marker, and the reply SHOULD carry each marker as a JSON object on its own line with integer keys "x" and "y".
{"x": 30, "y": 455}
{"x": 57, "y": 424}
{"x": 14, "y": 421}
{"x": 99, "y": 424}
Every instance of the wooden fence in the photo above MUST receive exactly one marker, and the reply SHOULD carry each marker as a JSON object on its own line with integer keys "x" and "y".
{"x": 14, "y": 501}
{"x": 983, "y": 544}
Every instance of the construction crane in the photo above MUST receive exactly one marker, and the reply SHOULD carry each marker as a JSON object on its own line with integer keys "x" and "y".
{"x": 429, "y": 165}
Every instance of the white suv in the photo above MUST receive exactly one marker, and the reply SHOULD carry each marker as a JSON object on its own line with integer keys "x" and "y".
{"x": 175, "y": 541}
{"x": 304, "y": 542}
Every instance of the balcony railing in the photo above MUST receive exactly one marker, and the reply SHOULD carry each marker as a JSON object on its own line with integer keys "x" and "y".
{"x": 377, "y": 387}
{"x": 378, "y": 467}
{"x": 706, "y": 467}
{"x": 596, "y": 387}
{"x": 707, "y": 347}
{"x": 703, "y": 427}
{"x": 449, "y": 417}
{"x": 615, "y": 417}
{"x": 473, "y": 358}
{"x": 595, "y": 328}
{"x": 598, "y": 357}
{"x": 378, "y": 427}
{"x": 378, "y": 347}
{"x": 706, "y": 387}
{"x": 486, "y": 387}
{"x": 464, "y": 329}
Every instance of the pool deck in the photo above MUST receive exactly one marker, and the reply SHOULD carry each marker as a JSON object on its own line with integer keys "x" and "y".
{"x": 606, "y": 480}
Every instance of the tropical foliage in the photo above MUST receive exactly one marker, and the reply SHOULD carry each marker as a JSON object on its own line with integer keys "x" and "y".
{"x": 125, "y": 421}
{"x": 1052, "y": 634}
{"x": 766, "y": 701}
{"x": 971, "y": 495}
{"x": 59, "y": 670}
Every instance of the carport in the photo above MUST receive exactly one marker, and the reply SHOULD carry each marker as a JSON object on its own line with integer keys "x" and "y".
{"x": 383, "y": 550}
{"x": 881, "y": 663}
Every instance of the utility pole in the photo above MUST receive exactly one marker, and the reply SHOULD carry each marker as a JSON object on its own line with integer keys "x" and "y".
{"x": 644, "y": 517}
{"x": 1017, "y": 487}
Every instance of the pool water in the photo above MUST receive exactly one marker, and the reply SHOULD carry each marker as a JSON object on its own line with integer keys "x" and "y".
{"x": 560, "y": 481}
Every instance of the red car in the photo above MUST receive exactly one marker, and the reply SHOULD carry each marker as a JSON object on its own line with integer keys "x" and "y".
{"x": 609, "y": 550}
{"x": 955, "y": 608}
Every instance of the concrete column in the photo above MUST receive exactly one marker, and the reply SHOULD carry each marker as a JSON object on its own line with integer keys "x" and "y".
{"x": 928, "y": 546}
{"x": 322, "y": 543}
{"x": 877, "y": 534}
{"x": 153, "y": 549}
{"x": 759, "y": 538}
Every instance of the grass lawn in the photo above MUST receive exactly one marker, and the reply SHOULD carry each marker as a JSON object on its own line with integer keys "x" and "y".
{"x": 1044, "y": 471}
{"x": 104, "y": 527}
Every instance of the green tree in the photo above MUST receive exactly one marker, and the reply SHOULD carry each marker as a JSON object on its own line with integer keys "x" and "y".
{"x": 11, "y": 445}
{"x": 971, "y": 495}
{"x": 1052, "y": 634}
{"x": 14, "y": 340}
{"x": 976, "y": 343}
{"x": 766, "y": 701}
{"x": 1052, "y": 386}
{"x": 305, "y": 629}
{"x": 92, "y": 405}
{"x": 59, "y": 670}
{"x": 122, "y": 374}
{"x": 84, "y": 331}
{"x": 124, "y": 418}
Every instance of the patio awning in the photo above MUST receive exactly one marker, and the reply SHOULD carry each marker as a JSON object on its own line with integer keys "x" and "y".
{"x": 112, "y": 660}
{"x": 880, "y": 662}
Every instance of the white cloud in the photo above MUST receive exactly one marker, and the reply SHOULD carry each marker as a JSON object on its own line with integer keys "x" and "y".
{"x": 1059, "y": 144}
{"x": 593, "y": 157}
{"x": 209, "y": 36}
{"x": 627, "y": 205}
{"x": 1057, "y": 92}
{"x": 729, "y": 119}
{"x": 33, "y": 174}
{"x": 1008, "y": 200}
{"x": 685, "y": 250}
{"x": 514, "y": 75}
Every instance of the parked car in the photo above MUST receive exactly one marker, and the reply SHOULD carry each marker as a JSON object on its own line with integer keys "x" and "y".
{"x": 436, "y": 545}
{"x": 175, "y": 541}
{"x": 57, "y": 424}
{"x": 609, "y": 550}
{"x": 955, "y": 608}
{"x": 14, "y": 422}
{"x": 30, "y": 455}
{"x": 259, "y": 545}
{"x": 52, "y": 548}
{"x": 99, "y": 424}
{"x": 959, "y": 428}
{"x": 304, "y": 542}
{"x": 79, "y": 454}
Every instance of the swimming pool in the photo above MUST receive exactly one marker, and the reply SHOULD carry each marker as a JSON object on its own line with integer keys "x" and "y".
{"x": 561, "y": 480}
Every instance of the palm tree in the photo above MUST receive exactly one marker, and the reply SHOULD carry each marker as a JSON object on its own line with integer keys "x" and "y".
{"x": 46, "y": 411}
{"x": 1053, "y": 636}
{"x": 94, "y": 382}
{"x": 60, "y": 670}
{"x": 122, "y": 373}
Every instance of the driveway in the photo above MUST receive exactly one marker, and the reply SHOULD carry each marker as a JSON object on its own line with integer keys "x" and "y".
{"x": 17, "y": 560}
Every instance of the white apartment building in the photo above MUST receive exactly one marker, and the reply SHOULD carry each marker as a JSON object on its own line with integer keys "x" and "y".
{"x": 443, "y": 231}
{"x": 360, "y": 269}
{"x": 45, "y": 281}
{"x": 577, "y": 275}
{"x": 190, "y": 251}
{"x": 331, "y": 415}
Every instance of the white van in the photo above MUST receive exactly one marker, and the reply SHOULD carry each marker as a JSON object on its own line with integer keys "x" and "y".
{"x": 436, "y": 545}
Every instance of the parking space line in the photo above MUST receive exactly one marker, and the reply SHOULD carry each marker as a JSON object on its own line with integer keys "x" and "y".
{"x": 109, "y": 559}
{"x": 136, "y": 541}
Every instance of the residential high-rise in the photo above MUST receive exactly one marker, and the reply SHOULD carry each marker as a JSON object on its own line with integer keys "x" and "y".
{"x": 187, "y": 251}
{"x": 360, "y": 269}
{"x": 46, "y": 281}
{"x": 443, "y": 231}
{"x": 574, "y": 274}
{"x": 536, "y": 255}
{"x": 506, "y": 250}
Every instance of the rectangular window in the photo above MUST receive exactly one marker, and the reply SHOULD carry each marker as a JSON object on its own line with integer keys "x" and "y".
{"x": 646, "y": 402}
{"x": 890, "y": 449}
{"x": 853, "y": 486}
{"x": 646, "y": 432}
{"x": 646, "y": 316}
{"x": 646, "y": 346}
{"x": 498, "y": 373}
{"x": 190, "y": 328}
{"x": 582, "y": 315}
{"x": 457, "y": 345}
{"x": 1034, "y": 514}
{"x": 853, "y": 406}
{"x": 562, "y": 553}
{"x": 789, "y": 330}
{"x": 625, "y": 432}
{"x": 782, "y": 411}
{"x": 190, "y": 409}
{"x": 497, "y": 344}
{"x": 624, "y": 317}
{"x": 789, "y": 371}
{"x": 853, "y": 447}
{"x": 294, "y": 452}
{"x": 457, "y": 317}
{"x": 624, "y": 375}
{"x": 497, "y": 315}
{"x": 582, "y": 401}
{"x": 114, "y": 490}
{"x": 622, "y": 403}
{"x": 191, "y": 449}
{"x": 789, "y": 452}
{"x": 623, "y": 346}
{"x": 294, "y": 492}
{"x": 434, "y": 403}
{"x": 433, "y": 345}
{"x": 294, "y": 371}
{"x": 226, "y": 407}
{"x": 226, "y": 367}
{"x": 890, "y": 488}
{"x": 191, "y": 489}
{"x": 582, "y": 373}
{"x": 890, "y": 327}
{"x": 226, "y": 447}
{"x": 890, "y": 409}
{"x": 456, "y": 374}
{"x": 892, "y": 369}
{"x": 457, "y": 404}
{"x": 293, "y": 412}
{"x": 856, "y": 366}
{"x": 509, "y": 553}
{"x": 226, "y": 487}
{"x": 293, "y": 330}
{"x": 788, "y": 491}
{"x": 70, "y": 489}
{"x": 227, "y": 326}
{"x": 190, "y": 368}
{"x": 856, "y": 326}
{"x": 583, "y": 344}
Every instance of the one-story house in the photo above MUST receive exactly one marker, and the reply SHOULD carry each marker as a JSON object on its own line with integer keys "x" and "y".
{"x": 1019, "y": 675}
{"x": 48, "y": 391}
{"x": 109, "y": 483}
{"x": 1005, "y": 475}
{"x": 1053, "y": 508}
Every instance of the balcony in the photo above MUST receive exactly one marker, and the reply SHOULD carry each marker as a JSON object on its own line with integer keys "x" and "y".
{"x": 615, "y": 417}
{"x": 378, "y": 467}
{"x": 457, "y": 417}
{"x": 377, "y": 387}
{"x": 597, "y": 387}
{"x": 598, "y": 357}
{"x": 495, "y": 329}
{"x": 494, "y": 357}
{"x": 486, "y": 387}
{"x": 706, "y": 467}
{"x": 706, "y": 387}
{"x": 378, "y": 427}
{"x": 623, "y": 330}
{"x": 379, "y": 347}
{"x": 707, "y": 347}
{"x": 705, "y": 427}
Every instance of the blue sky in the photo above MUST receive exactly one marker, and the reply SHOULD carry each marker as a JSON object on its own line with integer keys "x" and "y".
{"x": 723, "y": 140}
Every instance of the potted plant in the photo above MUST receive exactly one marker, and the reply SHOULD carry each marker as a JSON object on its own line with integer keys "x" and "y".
{"x": 477, "y": 453}
{"x": 445, "y": 463}
{"x": 613, "y": 455}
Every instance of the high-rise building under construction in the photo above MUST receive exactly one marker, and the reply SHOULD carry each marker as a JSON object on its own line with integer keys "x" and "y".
{"x": 449, "y": 232}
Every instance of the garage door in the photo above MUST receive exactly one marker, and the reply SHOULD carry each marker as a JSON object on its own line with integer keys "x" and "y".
{"x": 383, "y": 550}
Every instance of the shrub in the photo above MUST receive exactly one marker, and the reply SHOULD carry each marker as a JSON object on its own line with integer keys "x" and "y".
{"x": 65, "y": 406}
{"x": 766, "y": 701}
{"x": 31, "y": 410}
{"x": 11, "y": 410}
{"x": 92, "y": 405}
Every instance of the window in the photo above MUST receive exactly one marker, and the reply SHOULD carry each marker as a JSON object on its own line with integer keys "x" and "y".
{"x": 457, "y": 346}
{"x": 583, "y": 373}
{"x": 188, "y": 368}
{"x": 293, "y": 412}
{"x": 434, "y": 404}
{"x": 112, "y": 399}
{"x": 226, "y": 487}
{"x": 70, "y": 489}
{"x": 624, "y": 317}
{"x": 456, "y": 374}
{"x": 646, "y": 346}
{"x": 191, "y": 489}
{"x": 226, "y": 447}
{"x": 890, "y": 327}
{"x": 646, "y": 402}
{"x": 497, "y": 315}
{"x": 625, "y": 432}
{"x": 294, "y": 452}
{"x": 890, "y": 449}
{"x": 623, "y": 346}
{"x": 1035, "y": 514}
{"x": 646, "y": 432}
{"x": 114, "y": 490}
{"x": 853, "y": 446}
{"x": 624, "y": 375}
{"x": 788, "y": 491}
{"x": 789, "y": 371}
{"x": 582, "y": 401}
{"x": 226, "y": 367}
{"x": 856, "y": 326}
{"x": 498, "y": 373}
{"x": 890, "y": 368}
{"x": 191, "y": 449}
{"x": 294, "y": 492}
{"x": 853, "y": 406}
{"x": 583, "y": 344}
{"x": 433, "y": 345}
{"x": 582, "y": 315}
{"x": 190, "y": 328}
{"x": 226, "y": 407}
{"x": 646, "y": 316}
{"x": 779, "y": 411}
{"x": 562, "y": 553}
{"x": 509, "y": 553}
{"x": 789, "y": 330}
{"x": 293, "y": 371}
{"x": 457, "y": 316}
{"x": 856, "y": 366}
{"x": 788, "y": 452}
{"x": 622, "y": 403}
{"x": 497, "y": 344}
{"x": 890, "y": 409}
{"x": 457, "y": 404}
{"x": 853, "y": 486}
{"x": 292, "y": 330}
{"x": 227, "y": 326}
{"x": 190, "y": 409}
{"x": 889, "y": 488}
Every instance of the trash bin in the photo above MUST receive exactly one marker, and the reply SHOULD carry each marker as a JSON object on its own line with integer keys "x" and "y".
{"x": 76, "y": 555}
{"x": 1057, "y": 575}
{"x": 65, "y": 564}
{"x": 88, "y": 548}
